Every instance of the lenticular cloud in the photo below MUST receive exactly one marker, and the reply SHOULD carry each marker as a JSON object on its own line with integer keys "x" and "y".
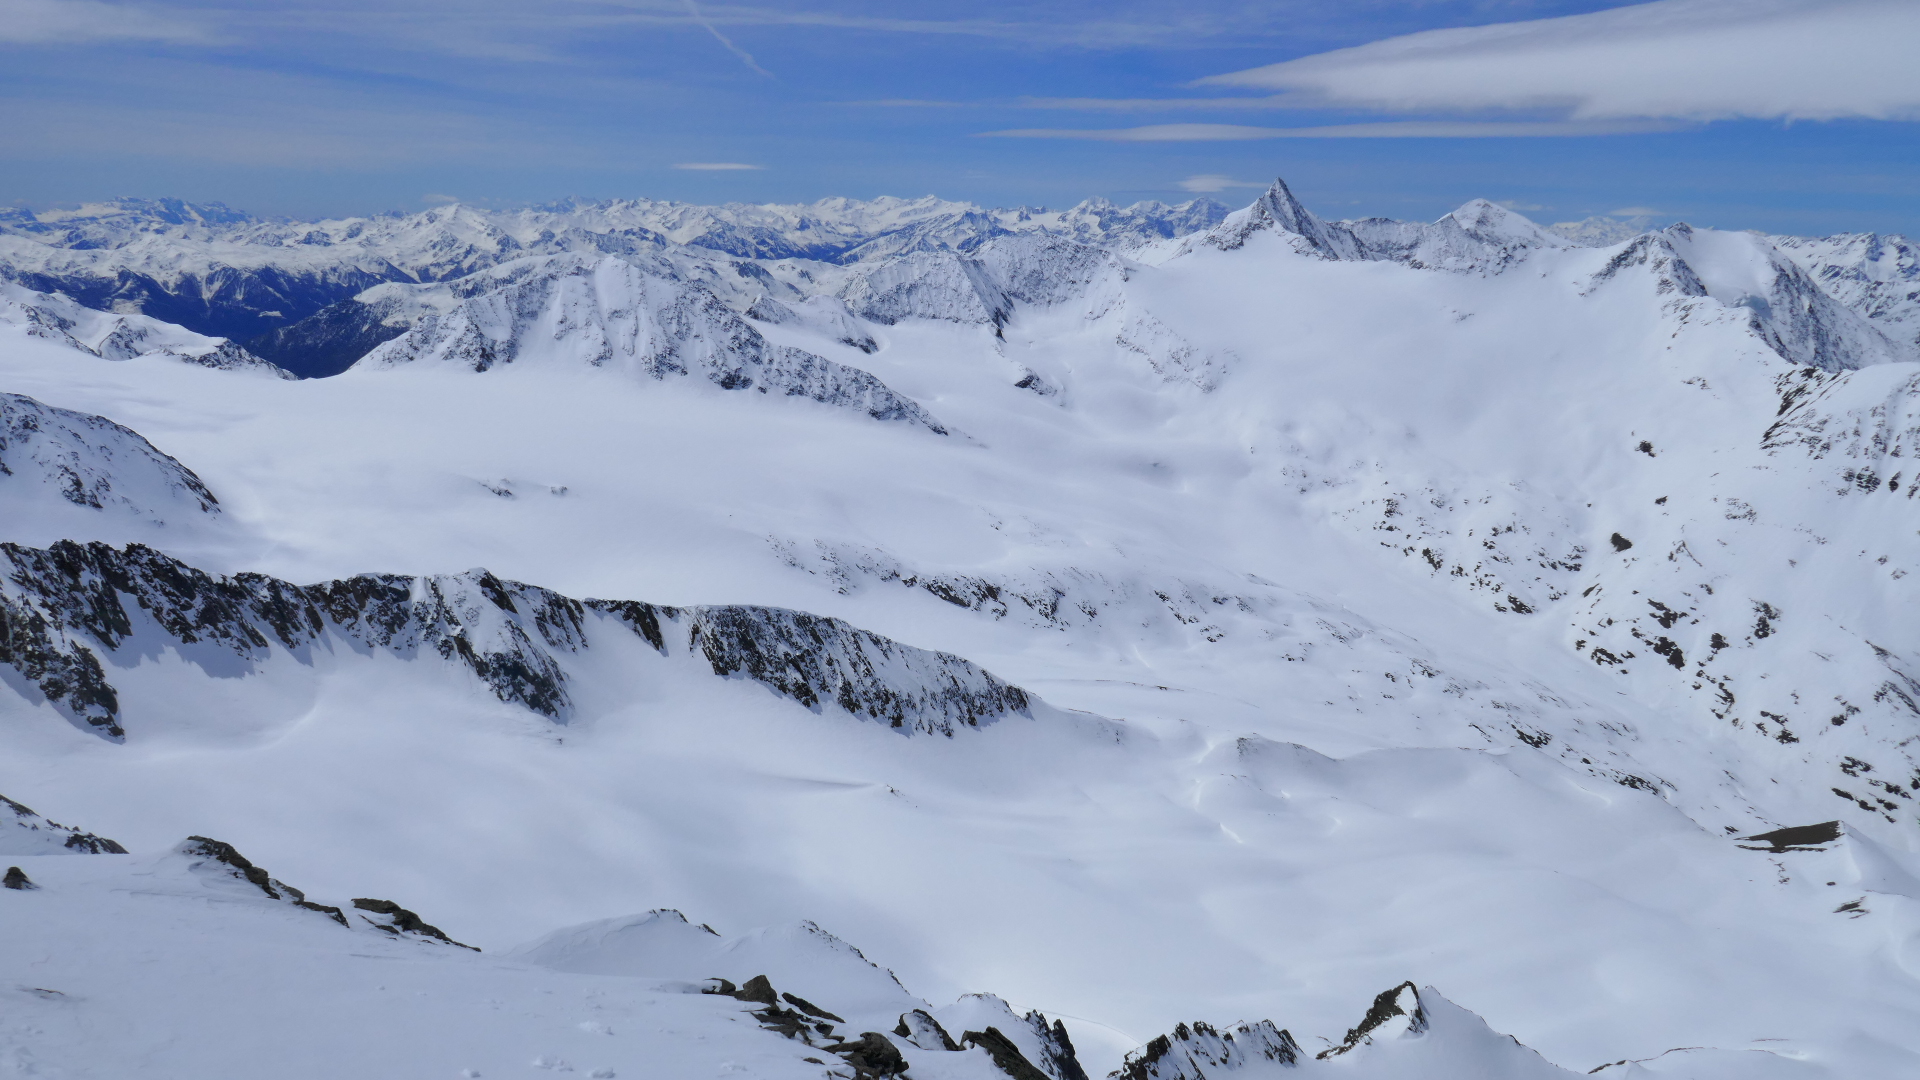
{"x": 1676, "y": 59}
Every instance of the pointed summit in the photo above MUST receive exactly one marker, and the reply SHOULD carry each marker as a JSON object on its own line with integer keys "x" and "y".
{"x": 1279, "y": 211}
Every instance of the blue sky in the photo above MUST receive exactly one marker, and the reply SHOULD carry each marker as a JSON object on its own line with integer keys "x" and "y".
{"x": 1784, "y": 115}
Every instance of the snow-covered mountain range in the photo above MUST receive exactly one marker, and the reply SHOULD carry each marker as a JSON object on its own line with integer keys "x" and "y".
{"x": 1190, "y": 625}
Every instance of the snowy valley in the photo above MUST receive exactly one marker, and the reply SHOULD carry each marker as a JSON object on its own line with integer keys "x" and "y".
{"x": 903, "y": 638}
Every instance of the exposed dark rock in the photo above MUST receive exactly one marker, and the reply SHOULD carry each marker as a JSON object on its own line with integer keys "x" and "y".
{"x": 816, "y": 660}
{"x": 1402, "y": 1000}
{"x": 758, "y": 989}
{"x": 69, "y": 838}
{"x": 1620, "y": 543}
{"x": 920, "y": 1028}
{"x": 1006, "y": 1056}
{"x": 1060, "y": 1058}
{"x": 17, "y": 879}
{"x": 240, "y": 867}
{"x": 401, "y": 921}
{"x": 1201, "y": 1052}
{"x": 60, "y": 604}
{"x": 872, "y": 1056}
{"x": 1794, "y": 838}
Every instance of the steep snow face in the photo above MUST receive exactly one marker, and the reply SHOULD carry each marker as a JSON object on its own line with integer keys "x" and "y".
{"x": 56, "y": 318}
{"x": 1788, "y": 311}
{"x": 66, "y": 473}
{"x": 610, "y": 314}
{"x": 1877, "y": 276}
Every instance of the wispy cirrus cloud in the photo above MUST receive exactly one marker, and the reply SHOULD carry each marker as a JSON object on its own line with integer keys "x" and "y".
{"x": 77, "y": 22}
{"x": 1397, "y": 129}
{"x": 1673, "y": 59}
{"x": 718, "y": 166}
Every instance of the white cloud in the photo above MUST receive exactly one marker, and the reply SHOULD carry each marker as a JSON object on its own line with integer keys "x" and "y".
{"x": 1208, "y": 183}
{"x": 438, "y": 199}
{"x": 718, "y": 166}
{"x": 1520, "y": 207}
{"x": 1634, "y": 211}
{"x": 1680, "y": 59}
{"x": 62, "y": 22}
{"x": 1399, "y": 129}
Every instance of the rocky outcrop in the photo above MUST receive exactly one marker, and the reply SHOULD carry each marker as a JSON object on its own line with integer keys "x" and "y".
{"x": 1201, "y": 1052}
{"x": 816, "y": 660}
{"x": 215, "y": 858}
{"x": 1405, "y": 1032}
{"x": 62, "y": 607}
{"x": 23, "y": 832}
{"x": 390, "y": 918}
{"x": 1396, "y": 1011}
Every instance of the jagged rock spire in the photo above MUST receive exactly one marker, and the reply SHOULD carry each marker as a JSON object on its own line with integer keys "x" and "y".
{"x": 1278, "y": 210}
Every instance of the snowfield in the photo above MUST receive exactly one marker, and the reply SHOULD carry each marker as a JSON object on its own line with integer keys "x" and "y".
{"x": 1246, "y": 644}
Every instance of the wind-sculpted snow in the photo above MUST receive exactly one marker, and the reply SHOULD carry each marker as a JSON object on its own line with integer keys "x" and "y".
{"x": 59, "y": 319}
{"x": 609, "y": 313}
{"x": 91, "y": 462}
{"x": 67, "y": 606}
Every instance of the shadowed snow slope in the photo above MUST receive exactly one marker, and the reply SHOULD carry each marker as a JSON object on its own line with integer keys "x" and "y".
{"x": 1367, "y": 604}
